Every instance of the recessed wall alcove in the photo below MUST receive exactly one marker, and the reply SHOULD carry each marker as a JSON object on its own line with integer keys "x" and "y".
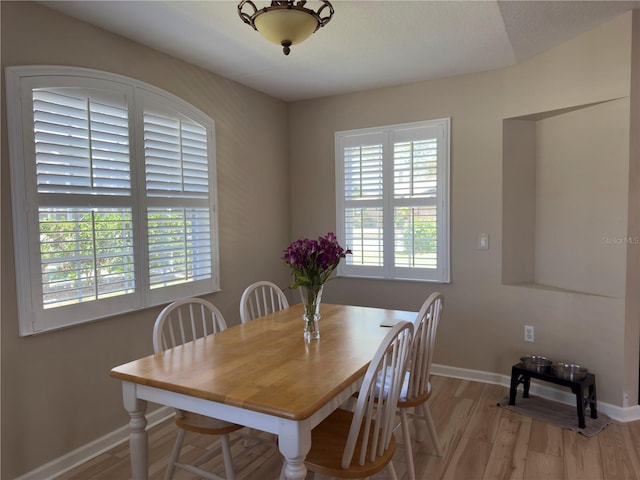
{"x": 564, "y": 188}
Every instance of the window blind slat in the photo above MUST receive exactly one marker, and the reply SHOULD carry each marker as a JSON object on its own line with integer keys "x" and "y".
{"x": 176, "y": 158}
{"x": 363, "y": 172}
{"x": 415, "y": 169}
{"x": 80, "y": 143}
{"x": 179, "y": 245}
{"x": 416, "y": 237}
{"x": 364, "y": 235}
{"x": 78, "y": 247}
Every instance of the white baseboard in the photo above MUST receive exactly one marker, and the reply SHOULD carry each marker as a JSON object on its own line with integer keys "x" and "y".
{"x": 103, "y": 444}
{"x": 621, "y": 414}
{"x": 85, "y": 453}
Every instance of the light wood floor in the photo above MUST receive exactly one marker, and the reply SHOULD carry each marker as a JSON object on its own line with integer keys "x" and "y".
{"x": 480, "y": 441}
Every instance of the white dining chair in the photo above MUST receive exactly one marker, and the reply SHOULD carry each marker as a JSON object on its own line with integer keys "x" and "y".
{"x": 180, "y": 322}
{"x": 361, "y": 443}
{"x": 261, "y": 298}
{"x": 416, "y": 389}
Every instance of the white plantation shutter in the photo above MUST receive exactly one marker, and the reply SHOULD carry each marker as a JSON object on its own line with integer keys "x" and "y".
{"x": 392, "y": 205}
{"x": 113, "y": 185}
{"x": 179, "y": 188}
{"x": 86, "y": 254}
{"x": 363, "y": 199}
{"x": 364, "y": 235}
{"x": 363, "y": 172}
{"x": 415, "y": 195}
{"x": 82, "y": 142}
{"x": 415, "y": 169}
{"x": 415, "y": 237}
{"x": 176, "y": 159}
{"x": 179, "y": 246}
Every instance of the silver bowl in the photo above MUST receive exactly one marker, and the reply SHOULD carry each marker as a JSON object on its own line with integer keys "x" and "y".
{"x": 535, "y": 363}
{"x": 569, "y": 371}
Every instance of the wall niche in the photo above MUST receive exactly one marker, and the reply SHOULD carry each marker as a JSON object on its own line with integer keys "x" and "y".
{"x": 564, "y": 198}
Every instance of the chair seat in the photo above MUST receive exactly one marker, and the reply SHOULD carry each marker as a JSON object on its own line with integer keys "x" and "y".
{"x": 403, "y": 402}
{"x": 194, "y": 422}
{"x": 328, "y": 442}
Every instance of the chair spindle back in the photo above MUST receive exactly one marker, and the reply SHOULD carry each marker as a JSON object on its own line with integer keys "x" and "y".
{"x": 375, "y": 412}
{"x": 186, "y": 320}
{"x": 425, "y": 327}
{"x": 261, "y": 298}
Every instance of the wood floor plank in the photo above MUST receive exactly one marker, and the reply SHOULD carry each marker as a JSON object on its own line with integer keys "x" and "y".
{"x": 479, "y": 439}
{"x": 469, "y": 460}
{"x": 443, "y": 386}
{"x": 485, "y": 420}
{"x": 545, "y": 438}
{"x": 543, "y": 466}
{"x": 633, "y": 436}
{"x": 509, "y": 453}
{"x": 470, "y": 389}
{"x": 92, "y": 468}
{"x": 582, "y": 458}
{"x": 451, "y": 415}
{"x": 451, "y": 421}
{"x": 618, "y": 462}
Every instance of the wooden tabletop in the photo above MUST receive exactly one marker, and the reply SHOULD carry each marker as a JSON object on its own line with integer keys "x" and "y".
{"x": 265, "y": 365}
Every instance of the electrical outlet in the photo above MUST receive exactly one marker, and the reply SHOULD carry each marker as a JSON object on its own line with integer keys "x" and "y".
{"x": 528, "y": 333}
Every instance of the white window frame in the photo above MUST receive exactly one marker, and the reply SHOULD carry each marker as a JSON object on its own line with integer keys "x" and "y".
{"x": 385, "y": 137}
{"x": 33, "y": 318}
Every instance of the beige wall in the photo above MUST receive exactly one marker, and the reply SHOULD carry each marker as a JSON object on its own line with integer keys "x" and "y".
{"x": 632, "y": 323}
{"x": 581, "y": 199}
{"x": 56, "y": 390}
{"x": 484, "y": 319}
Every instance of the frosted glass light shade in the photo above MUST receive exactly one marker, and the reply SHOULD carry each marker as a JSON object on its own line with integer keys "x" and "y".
{"x": 285, "y": 22}
{"x": 285, "y": 26}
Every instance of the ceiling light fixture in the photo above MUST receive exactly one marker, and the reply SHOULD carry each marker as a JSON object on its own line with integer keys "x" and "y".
{"x": 285, "y": 22}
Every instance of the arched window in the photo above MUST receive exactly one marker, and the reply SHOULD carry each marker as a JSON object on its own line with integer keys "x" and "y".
{"x": 114, "y": 196}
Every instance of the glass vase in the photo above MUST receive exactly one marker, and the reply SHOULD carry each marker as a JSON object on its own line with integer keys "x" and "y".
{"x": 311, "y": 297}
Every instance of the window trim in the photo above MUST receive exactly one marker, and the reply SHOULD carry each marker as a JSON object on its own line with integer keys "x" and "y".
{"x": 31, "y": 313}
{"x": 388, "y": 271}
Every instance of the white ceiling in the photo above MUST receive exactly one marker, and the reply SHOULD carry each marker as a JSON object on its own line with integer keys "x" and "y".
{"x": 367, "y": 44}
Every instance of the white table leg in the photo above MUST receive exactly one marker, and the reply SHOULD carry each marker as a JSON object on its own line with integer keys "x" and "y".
{"x": 294, "y": 441}
{"x": 138, "y": 439}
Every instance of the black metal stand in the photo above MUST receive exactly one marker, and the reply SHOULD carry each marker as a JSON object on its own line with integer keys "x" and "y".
{"x": 522, "y": 375}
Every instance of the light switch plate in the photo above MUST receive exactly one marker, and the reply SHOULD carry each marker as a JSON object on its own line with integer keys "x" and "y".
{"x": 483, "y": 241}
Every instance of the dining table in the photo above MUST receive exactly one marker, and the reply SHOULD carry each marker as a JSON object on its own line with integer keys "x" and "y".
{"x": 262, "y": 374}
